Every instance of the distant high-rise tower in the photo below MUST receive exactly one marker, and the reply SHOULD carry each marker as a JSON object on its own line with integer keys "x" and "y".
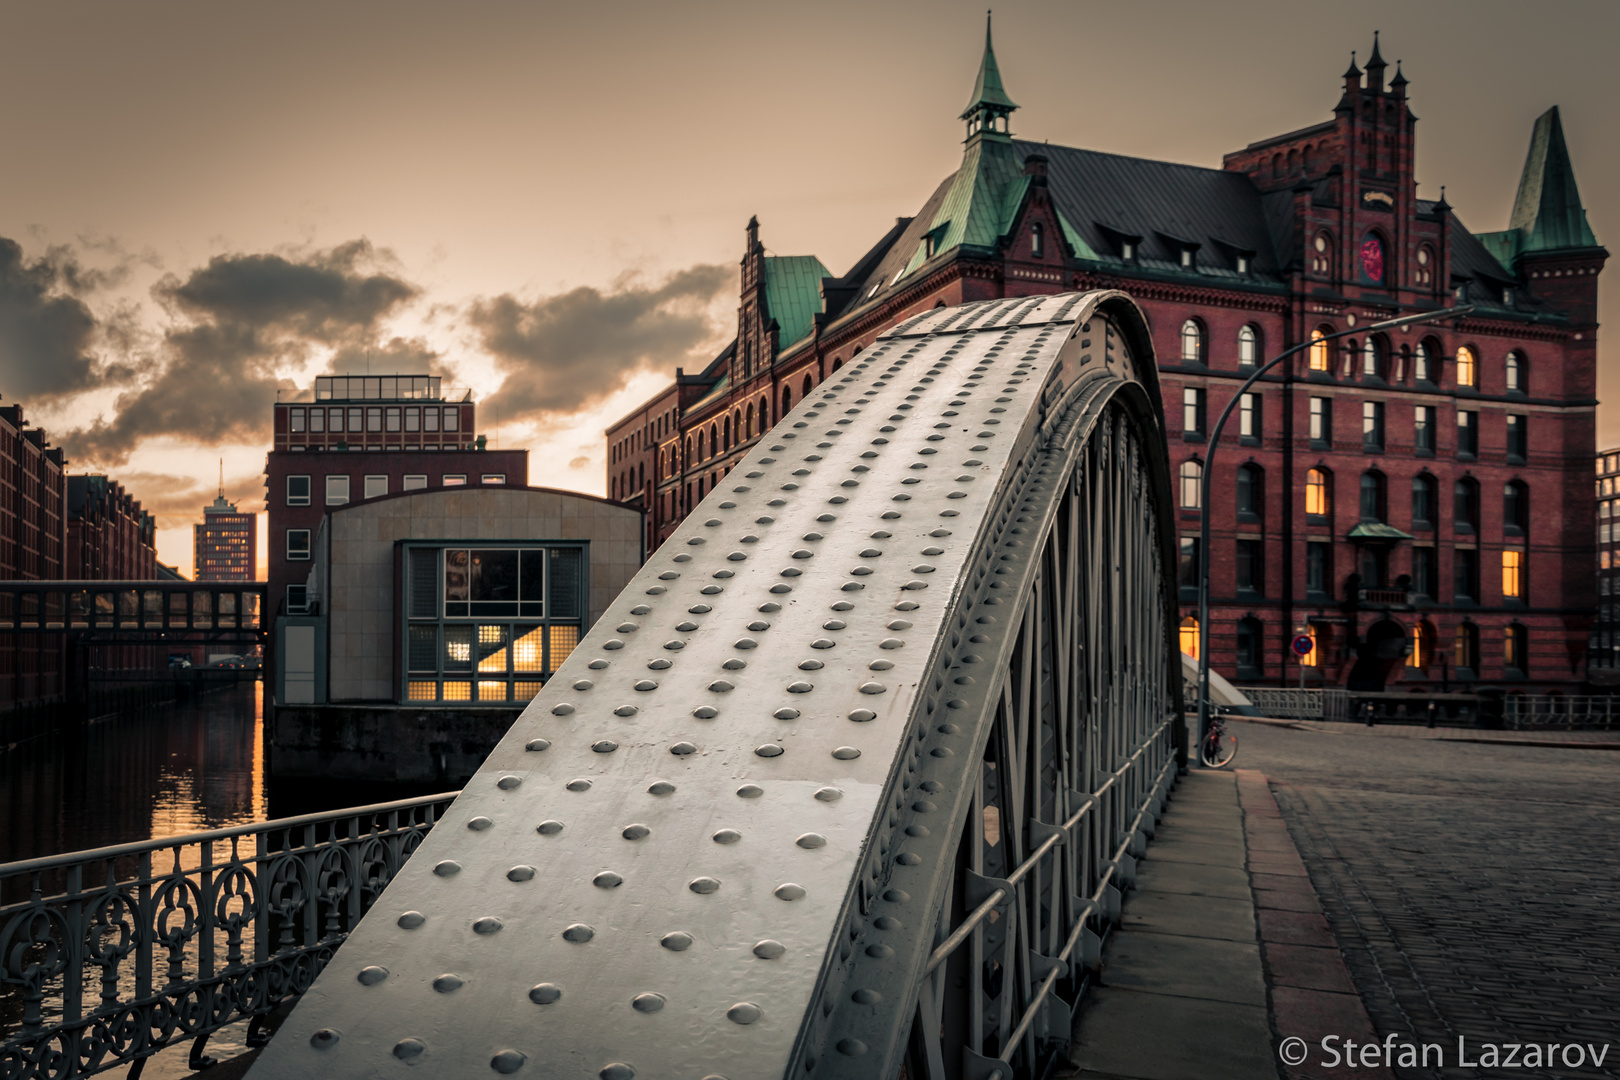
{"x": 226, "y": 543}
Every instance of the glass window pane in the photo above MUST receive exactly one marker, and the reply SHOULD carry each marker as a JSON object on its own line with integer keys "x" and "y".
{"x": 424, "y": 581}
{"x": 430, "y": 419}
{"x": 523, "y": 691}
{"x": 456, "y": 690}
{"x": 492, "y": 652}
{"x": 528, "y": 648}
{"x": 566, "y": 586}
{"x": 494, "y": 581}
{"x": 492, "y": 690}
{"x": 423, "y": 649}
{"x": 458, "y": 646}
{"x": 455, "y": 576}
{"x": 563, "y": 640}
{"x": 421, "y": 690}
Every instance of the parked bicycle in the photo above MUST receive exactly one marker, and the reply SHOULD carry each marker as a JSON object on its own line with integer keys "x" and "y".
{"x": 1219, "y": 746}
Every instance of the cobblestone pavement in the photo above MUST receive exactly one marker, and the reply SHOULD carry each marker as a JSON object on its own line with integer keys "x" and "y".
{"x": 1473, "y": 889}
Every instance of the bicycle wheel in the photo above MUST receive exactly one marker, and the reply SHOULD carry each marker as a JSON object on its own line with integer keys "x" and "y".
{"x": 1218, "y": 749}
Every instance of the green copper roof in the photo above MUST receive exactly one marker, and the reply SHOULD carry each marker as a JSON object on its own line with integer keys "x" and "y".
{"x": 1377, "y": 531}
{"x": 988, "y": 89}
{"x": 975, "y": 207}
{"x": 1547, "y": 214}
{"x": 793, "y": 294}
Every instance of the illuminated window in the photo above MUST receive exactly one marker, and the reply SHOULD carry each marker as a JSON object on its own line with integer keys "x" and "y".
{"x": 1310, "y": 659}
{"x": 1249, "y": 416}
{"x": 1321, "y": 358}
{"x": 1515, "y": 373}
{"x": 1192, "y": 477}
{"x": 1422, "y": 646}
{"x": 1465, "y": 653}
{"x": 1513, "y": 575}
{"x": 489, "y": 624}
{"x": 1189, "y": 636}
{"x": 1467, "y": 368}
{"x": 1515, "y": 649}
{"x": 1322, "y": 421}
{"x": 1318, "y": 492}
{"x": 1248, "y": 347}
{"x": 1192, "y": 342}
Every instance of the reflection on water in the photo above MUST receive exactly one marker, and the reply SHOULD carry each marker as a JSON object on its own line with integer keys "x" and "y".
{"x": 194, "y": 765}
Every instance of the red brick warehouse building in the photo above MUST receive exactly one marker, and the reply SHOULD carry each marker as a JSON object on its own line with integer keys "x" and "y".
{"x": 1415, "y": 501}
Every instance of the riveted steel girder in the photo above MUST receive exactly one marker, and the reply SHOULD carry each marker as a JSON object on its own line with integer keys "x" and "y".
{"x": 730, "y": 837}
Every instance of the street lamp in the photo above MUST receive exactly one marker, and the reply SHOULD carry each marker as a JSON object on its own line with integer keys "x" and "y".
{"x": 1209, "y": 460}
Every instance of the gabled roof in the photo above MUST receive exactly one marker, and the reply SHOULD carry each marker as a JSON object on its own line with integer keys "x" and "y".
{"x": 793, "y": 294}
{"x": 1547, "y": 213}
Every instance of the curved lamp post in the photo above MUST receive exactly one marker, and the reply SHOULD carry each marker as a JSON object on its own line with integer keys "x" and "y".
{"x": 1209, "y": 458}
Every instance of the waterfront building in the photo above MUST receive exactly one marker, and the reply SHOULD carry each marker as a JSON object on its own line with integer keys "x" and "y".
{"x": 353, "y": 438}
{"x": 1605, "y": 639}
{"x": 33, "y": 546}
{"x": 225, "y": 543}
{"x": 429, "y": 617}
{"x": 109, "y": 536}
{"x": 1413, "y": 501}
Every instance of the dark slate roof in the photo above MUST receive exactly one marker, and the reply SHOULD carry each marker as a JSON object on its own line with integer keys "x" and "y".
{"x": 1164, "y": 203}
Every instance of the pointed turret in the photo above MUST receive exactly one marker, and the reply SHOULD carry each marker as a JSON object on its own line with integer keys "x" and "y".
{"x": 1397, "y": 85}
{"x": 1375, "y": 68}
{"x": 990, "y": 106}
{"x": 1547, "y": 213}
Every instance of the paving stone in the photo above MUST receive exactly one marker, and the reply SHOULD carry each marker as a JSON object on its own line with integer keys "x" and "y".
{"x": 1128, "y": 1033}
{"x": 1191, "y": 967}
{"x": 1196, "y": 916}
{"x": 1198, "y": 879}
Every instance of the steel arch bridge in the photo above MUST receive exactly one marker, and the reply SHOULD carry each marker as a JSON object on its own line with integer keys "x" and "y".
{"x": 849, "y": 779}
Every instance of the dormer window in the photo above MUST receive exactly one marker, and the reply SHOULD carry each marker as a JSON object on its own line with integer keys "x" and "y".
{"x": 1186, "y": 257}
{"x": 1127, "y": 251}
{"x": 1507, "y": 296}
{"x": 1243, "y": 264}
{"x": 1037, "y": 240}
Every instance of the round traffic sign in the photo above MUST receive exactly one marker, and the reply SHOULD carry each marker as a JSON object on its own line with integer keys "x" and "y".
{"x": 1302, "y": 645}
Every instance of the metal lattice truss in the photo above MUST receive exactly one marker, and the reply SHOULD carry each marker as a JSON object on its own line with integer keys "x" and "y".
{"x": 848, "y": 778}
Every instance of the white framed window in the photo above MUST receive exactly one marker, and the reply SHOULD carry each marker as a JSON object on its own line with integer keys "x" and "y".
{"x": 493, "y": 478}
{"x": 337, "y": 490}
{"x": 1248, "y": 347}
{"x": 297, "y": 544}
{"x": 376, "y": 486}
{"x": 297, "y": 599}
{"x": 298, "y": 491}
{"x": 415, "y": 483}
{"x": 455, "y": 480}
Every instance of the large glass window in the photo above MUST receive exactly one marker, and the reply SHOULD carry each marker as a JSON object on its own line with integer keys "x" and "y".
{"x": 1318, "y": 493}
{"x": 1465, "y": 577}
{"x": 298, "y": 544}
{"x": 317, "y": 421}
{"x": 1467, "y": 367}
{"x": 1251, "y": 567}
{"x": 1425, "y": 572}
{"x": 1515, "y": 373}
{"x": 295, "y": 420}
{"x": 1516, "y": 507}
{"x": 1423, "y": 361}
{"x": 376, "y": 486}
{"x": 1251, "y": 489}
{"x": 490, "y": 624}
{"x": 337, "y": 490}
{"x": 1513, "y": 587}
{"x": 1320, "y": 358}
{"x": 1250, "y": 654}
{"x": 1187, "y": 564}
{"x": 1465, "y": 505}
{"x": 297, "y": 491}
{"x": 1425, "y": 502}
{"x": 1189, "y": 636}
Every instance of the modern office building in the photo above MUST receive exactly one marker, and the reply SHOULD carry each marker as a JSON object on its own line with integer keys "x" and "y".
{"x": 225, "y": 543}
{"x": 1414, "y": 501}
{"x": 355, "y": 438}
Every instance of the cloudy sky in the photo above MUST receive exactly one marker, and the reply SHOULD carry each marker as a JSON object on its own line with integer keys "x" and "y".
{"x": 203, "y": 203}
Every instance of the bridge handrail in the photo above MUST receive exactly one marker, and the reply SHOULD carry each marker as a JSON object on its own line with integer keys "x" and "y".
{"x": 177, "y": 953}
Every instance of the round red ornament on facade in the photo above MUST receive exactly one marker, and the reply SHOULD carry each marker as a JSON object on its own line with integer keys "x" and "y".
{"x": 1372, "y": 258}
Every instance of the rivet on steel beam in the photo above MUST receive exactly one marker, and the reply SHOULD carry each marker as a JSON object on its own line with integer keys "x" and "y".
{"x": 448, "y": 983}
{"x": 846, "y": 753}
{"x": 549, "y": 828}
{"x": 545, "y": 993}
{"x": 768, "y": 750}
{"x": 829, "y": 794}
{"x": 479, "y": 824}
{"x": 372, "y": 975}
{"x": 661, "y": 787}
{"x": 578, "y": 933}
{"x": 410, "y": 920}
{"x": 324, "y": 1039}
{"x": 647, "y": 1003}
{"x": 616, "y": 1070}
{"x": 873, "y": 688}
{"x": 891, "y": 643}
{"x": 734, "y": 664}
{"x": 852, "y": 1047}
{"x": 508, "y": 1061}
{"x": 744, "y": 1012}
{"x": 879, "y": 952}
{"x": 563, "y": 709}
{"x": 612, "y": 643}
{"x": 720, "y": 686}
{"x": 509, "y": 782}
{"x": 703, "y": 885}
{"x": 811, "y": 840}
{"x": 750, "y": 791}
{"x": 790, "y": 891}
{"x": 535, "y": 745}
{"x": 520, "y": 873}
{"x": 487, "y": 925}
{"x": 447, "y": 868}
{"x": 604, "y": 746}
{"x": 409, "y": 1049}
{"x": 645, "y": 685}
{"x": 581, "y": 784}
{"x": 800, "y": 687}
{"x": 681, "y": 749}
{"x": 607, "y": 879}
{"x": 727, "y": 836}
{"x": 676, "y": 941}
{"x": 786, "y": 714}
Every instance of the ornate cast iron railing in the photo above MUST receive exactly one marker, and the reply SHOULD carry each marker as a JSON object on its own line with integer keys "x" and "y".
{"x": 1599, "y": 712}
{"x": 108, "y": 956}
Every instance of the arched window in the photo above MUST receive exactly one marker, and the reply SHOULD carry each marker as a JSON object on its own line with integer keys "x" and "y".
{"x": 1189, "y": 636}
{"x": 1425, "y": 502}
{"x": 1425, "y": 265}
{"x": 702, "y": 451}
{"x": 1516, "y": 373}
{"x": 750, "y": 420}
{"x": 1515, "y": 649}
{"x": 809, "y": 385}
{"x": 1465, "y": 653}
{"x": 1321, "y": 358}
{"x": 1322, "y": 255}
{"x": 1516, "y": 507}
{"x": 1422, "y": 647}
{"x": 1514, "y": 571}
{"x": 1423, "y": 361}
{"x": 787, "y": 398}
{"x": 1248, "y": 347}
{"x": 1374, "y": 355}
{"x": 714, "y": 438}
{"x": 1467, "y": 367}
{"x": 1276, "y": 164}
{"x": 1192, "y": 342}
{"x": 1250, "y": 651}
{"x": 1037, "y": 240}
{"x": 1318, "y": 493}
{"x": 1192, "y": 475}
{"x": 642, "y": 473}
{"x": 1372, "y": 496}
{"x": 837, "y": 363}
{"x": 1251, "y": 491}
{"x": 1465, "y": 509}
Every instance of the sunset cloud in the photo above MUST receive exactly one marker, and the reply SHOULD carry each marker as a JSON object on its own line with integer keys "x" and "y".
{"x": 240, "y": 321}
{"x": 562, "y": 353}
{"x": 47, "y": 334}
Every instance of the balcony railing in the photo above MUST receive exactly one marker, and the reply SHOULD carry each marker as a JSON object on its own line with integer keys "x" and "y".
{"x": 108, "y": 956}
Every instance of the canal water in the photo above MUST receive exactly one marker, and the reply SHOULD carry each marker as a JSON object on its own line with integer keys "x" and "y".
{"x": 182, "y": 768}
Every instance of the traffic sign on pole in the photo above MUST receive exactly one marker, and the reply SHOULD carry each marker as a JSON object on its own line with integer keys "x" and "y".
{"x": 1302, "y": 645}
